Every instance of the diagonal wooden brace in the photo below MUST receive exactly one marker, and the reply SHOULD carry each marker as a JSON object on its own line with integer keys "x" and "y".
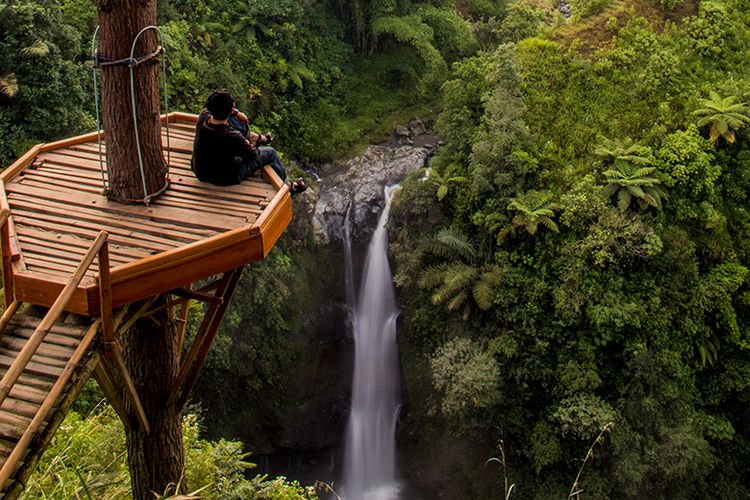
{"x": 203, "y": 339}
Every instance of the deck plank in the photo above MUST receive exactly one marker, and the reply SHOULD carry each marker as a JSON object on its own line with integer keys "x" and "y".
{"x": 53, "y": 208}
{"x": 188, "y": 218}
{"x": 90, "y": 231}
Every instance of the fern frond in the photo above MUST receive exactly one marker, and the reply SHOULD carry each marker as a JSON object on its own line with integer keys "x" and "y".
{"x": 451, "y": 243}
{"x": 457, "y": 301}
{"x": 549, "y": 224}
{"x": 8, "y": 84}
{"x": 433, "y": 276}
{"x": 36, "y": 49}
{"x": 483, "y": 295}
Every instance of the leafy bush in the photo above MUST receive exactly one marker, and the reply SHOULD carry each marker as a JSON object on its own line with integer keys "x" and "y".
{"x": 87, "y": 458}
{"x": 587, "y": 8}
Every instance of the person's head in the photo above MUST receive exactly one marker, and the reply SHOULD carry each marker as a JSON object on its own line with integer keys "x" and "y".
{"x": 220, "y": 103}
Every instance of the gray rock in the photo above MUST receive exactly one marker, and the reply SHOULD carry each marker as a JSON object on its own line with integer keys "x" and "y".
{"x": 401, "y": 131}
{"x": 417, "y": 126}
{"x": 358, "y": 187}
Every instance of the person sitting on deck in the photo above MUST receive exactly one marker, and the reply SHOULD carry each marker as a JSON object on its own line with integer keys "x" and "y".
{"x": 226, "y": 151}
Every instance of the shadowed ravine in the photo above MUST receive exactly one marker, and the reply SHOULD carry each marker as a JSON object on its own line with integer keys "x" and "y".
{"x": 369, "y": 458}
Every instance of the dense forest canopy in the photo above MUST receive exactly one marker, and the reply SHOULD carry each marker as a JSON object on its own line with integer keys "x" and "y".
{"x": 590, "y": 263}
{"x": 577, "y": 255}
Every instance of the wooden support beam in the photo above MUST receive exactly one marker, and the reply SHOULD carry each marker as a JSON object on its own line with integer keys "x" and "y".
{"x": 191, "y": 376}
{"x": 41, "y": 415}
{"x": 105, "y": 299}
{"x": 18, "y": 365}
{"x": 129, "y": 388}
{"x": 178, "y": 302}
{"x": 208, "y": 319}
{"x": 136, "y": 315}
{"x": 183, "y": 319}
{"x": 105, "y": 379}
{"x": 190, "y": 294}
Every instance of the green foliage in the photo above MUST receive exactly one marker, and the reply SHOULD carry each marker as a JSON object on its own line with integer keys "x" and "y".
{"x": 670, "y": 4}
{"x": 522, "y": 20}
{"x": 41, "y": 87}
{"x": 88, "y": 459}
{"x": 687, "y": 162}
{"x": 587, "y": 8}
{"x": 639, "y": 317}
{"x": 467, "y": 377}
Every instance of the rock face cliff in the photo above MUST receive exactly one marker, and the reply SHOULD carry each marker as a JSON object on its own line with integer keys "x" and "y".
{"x": 359, "y": 184}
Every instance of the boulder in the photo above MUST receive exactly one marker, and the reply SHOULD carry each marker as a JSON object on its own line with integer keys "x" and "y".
{"x": 401, "y": 132}
{"x": 416, "y": 126}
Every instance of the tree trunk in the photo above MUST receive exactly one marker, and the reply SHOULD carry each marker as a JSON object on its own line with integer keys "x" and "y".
{"x": 120, "y": 22}
{"x": 150, "y": 349}
{"x": 151, "y": 353}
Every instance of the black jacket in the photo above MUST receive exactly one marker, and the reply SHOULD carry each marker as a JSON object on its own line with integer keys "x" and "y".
{"x": 219, "y": 152}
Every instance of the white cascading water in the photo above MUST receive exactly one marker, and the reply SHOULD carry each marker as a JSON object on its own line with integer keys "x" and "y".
{"x": 370, "y": 454}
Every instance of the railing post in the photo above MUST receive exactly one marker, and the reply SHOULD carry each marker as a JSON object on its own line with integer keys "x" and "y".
{"x": 105, "y": 299}
{"x": 7, "y": 257}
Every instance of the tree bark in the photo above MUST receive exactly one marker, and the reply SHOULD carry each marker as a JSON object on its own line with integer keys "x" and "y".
{"x": 151, "y": 353}
{"x": 120, "y": 22}
{"x": 150, "y": 349}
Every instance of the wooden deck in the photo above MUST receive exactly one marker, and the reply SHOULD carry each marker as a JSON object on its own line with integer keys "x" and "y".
{"x": 193, "y": 231}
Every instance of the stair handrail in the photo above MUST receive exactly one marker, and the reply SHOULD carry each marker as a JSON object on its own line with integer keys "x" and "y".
{"x": 41, "y": 414}
{"x": 58, "y": 307}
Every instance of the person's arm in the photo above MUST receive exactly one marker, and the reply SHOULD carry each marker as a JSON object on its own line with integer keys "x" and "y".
{"x": 240, "y": 115}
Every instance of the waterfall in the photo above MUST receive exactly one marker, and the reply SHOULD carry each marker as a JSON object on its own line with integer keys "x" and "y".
{"x": 370, "y": 454}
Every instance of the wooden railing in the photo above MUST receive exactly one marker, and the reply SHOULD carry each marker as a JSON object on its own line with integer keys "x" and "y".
{"x": 99, "y": 248}
{"x": 32, "y": 344}
{"x": 58, "y": 307}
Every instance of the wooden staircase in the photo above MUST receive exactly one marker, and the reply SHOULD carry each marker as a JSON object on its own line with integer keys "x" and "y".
{"x": 46, "y": 388}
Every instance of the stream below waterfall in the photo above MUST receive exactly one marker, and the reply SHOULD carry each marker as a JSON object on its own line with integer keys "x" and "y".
{"x": 370, "y": 451}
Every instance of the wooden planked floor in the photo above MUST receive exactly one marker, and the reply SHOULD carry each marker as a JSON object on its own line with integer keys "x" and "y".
{"x": 58, "y": 208}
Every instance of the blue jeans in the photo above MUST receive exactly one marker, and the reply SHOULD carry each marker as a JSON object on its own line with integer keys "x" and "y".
{"x": 267, "y": 156}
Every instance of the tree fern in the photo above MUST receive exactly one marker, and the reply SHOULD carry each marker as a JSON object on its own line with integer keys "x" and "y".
{"x": 724, "y": 115}
{"x": 533, "y": 208}
{"x": 462, "y": 277}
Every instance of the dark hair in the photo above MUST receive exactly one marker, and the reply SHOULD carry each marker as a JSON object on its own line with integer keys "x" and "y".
{"x": 220, "y": 103}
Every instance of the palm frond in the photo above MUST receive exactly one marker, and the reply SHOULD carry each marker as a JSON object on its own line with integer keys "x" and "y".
{"x": 8, "y": 84}
{"x": 37, "y": 49}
